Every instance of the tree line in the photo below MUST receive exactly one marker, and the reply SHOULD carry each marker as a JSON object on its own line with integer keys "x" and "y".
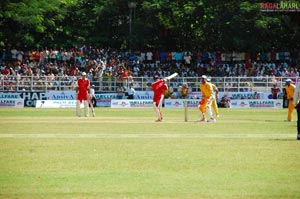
{"x": 233, "y": 25}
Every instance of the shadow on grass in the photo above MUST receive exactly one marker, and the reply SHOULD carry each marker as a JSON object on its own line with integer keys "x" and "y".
{"x": 285, "y": 139}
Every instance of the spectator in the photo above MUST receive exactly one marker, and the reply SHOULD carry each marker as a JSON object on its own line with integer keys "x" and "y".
{"x": 225, "y": 102}
{"x": 275, "y": 90}
{"x": 14, "y": 53}
{"x": 120, "y": 92}
{"x": 184, "y": 91}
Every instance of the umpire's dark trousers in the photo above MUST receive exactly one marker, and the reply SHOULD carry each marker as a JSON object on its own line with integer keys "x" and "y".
{"x": 298, "y": 118}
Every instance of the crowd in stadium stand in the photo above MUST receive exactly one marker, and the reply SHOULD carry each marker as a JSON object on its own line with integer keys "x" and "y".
{"x": 110, "y": 63}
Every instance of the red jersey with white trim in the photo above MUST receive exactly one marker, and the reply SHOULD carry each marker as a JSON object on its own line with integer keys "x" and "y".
{"x": 83, "y": 87}
{"x": 158, "y": 88}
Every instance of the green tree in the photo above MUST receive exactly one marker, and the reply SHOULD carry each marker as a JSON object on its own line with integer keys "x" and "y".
{"x": 165, "y": 24}
{"x": 29, "y": 23}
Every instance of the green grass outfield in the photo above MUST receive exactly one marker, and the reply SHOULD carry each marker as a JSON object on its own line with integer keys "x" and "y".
{"x": 124, "y": 154}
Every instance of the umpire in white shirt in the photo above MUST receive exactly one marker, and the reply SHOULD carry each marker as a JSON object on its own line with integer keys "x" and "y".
{"x": 131, "y": 92}
{"x": 296, "y": 101}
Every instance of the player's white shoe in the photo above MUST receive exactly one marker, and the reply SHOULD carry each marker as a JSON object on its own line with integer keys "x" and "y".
{"x": 211, "y": 120}
{"x": 202, "y": 120}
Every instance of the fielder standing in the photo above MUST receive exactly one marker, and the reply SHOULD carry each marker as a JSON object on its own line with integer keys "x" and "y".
{"x": 290, "y": 89}
{"x": 159, "y": 87}
{"x": 83, "y": 86}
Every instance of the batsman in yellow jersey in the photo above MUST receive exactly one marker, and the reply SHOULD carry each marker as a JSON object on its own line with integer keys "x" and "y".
{"x": 214, "y": 102}
{"x": 207, "y": 98}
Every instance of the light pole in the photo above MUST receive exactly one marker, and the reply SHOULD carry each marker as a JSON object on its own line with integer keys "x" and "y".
{"x": 131, "y": 6}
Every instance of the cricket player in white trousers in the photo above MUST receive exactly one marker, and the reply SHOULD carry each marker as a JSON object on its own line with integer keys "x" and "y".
{"x": 207, "y": 98}
{"x": 83, "y": 86}
{"x": 92, "y": 94}
{"x": 92, "y": 99}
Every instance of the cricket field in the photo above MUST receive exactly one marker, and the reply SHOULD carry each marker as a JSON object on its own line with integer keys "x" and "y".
{"x": 124, "y": 154}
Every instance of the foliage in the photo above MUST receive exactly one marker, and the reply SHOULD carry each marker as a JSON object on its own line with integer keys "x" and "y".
{"x": 164, "y": 24}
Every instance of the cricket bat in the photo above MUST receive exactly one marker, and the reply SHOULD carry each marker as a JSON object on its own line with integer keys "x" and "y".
{"x": 171, "y": 76}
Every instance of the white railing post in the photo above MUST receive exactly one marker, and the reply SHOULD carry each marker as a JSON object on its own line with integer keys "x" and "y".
{"x": 31, "y": 83}
{"x": 46, "y": 83}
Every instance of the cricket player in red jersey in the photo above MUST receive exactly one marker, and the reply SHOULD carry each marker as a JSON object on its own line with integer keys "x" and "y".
{"x": 83, "y": 86}
{"x": 158, "y": 86}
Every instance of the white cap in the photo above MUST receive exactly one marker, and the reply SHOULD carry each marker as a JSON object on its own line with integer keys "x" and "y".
{"x": 288, "y": 80}
{"x": 204, "y": 76}
{"x": 83, "y": 73}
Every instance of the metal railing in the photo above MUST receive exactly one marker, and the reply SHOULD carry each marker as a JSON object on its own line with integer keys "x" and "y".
{"x": 104, "y": 84}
